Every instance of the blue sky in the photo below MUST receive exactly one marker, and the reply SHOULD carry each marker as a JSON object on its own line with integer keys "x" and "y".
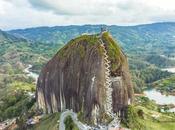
{"x": 32, "y": 13}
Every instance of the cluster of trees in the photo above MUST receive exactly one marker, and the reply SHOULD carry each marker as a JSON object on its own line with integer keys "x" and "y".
{"x": 142, "y": 78}
{"x": 166, "y": 85}
{"x": 15, "y": 105}
{"x": 146, "y": 69}
{"x": 132, "y": 120}
{"x": 150, "y": 75}
{"x": 159, "y": 61}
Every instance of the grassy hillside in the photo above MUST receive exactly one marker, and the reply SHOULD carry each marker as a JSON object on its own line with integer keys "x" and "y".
{"x": 166, "y": 85}
{"x": 146, "y": 115}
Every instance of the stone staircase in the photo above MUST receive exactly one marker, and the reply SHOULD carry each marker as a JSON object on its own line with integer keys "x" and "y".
{"x": 108, "y": 84}
{"x": 107, "y": 81}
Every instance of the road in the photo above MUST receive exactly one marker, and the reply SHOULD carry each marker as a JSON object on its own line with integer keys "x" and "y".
{"x": 82, "y": 126}
{"x": 73, "y": 115}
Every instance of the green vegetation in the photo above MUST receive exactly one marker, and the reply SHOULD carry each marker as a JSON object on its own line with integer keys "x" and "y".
{"x": 15, "y": 105}
{"x": 17, "y": 52}
{"x": 141, "y": 39}
{"x": 143, "y": 78}
{"x": 145, "y": 115}
{"x": 142, "y": 50}
{"x": 70, "y": 125}
{"x": 14, "y": 84}
{"x": 81, "y": 50}
{"x": 166, "y": 85}
{"x": 48, "y": 122}
{"x": 74, "y": 46}
{"x": 14, "y": 88}
{"x": 116, "y": 56}
{"x": 143, "y": 44}
{"x": 132, "y": 120}
{"x": 160, "y": 61}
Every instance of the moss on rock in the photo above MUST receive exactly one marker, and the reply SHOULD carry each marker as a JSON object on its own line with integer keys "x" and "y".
{"x": 115, "y": 53}
{"x": 75, "y": 45}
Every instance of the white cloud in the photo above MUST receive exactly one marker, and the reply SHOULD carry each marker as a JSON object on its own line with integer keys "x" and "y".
{"x": 28, "y": 13}
{"x": 75, "y": 7}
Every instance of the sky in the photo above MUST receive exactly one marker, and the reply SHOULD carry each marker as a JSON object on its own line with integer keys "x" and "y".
{"x": 16, "y": 14}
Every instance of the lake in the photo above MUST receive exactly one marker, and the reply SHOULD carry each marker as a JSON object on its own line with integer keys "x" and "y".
{"x": 160, "y": 98}
{"x": 171, "y": 69}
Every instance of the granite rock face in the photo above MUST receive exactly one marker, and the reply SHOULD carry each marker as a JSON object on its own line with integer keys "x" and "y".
{"x": 75, "y": 78}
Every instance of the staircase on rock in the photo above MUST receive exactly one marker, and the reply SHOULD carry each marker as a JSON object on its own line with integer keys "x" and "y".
{"x": 109, "y": 89}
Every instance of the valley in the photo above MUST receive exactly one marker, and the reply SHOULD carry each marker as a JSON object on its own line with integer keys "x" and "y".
{"x": 25, "y": 52}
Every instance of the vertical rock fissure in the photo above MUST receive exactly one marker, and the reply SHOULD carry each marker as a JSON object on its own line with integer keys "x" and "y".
{"x": 62, "y": 97}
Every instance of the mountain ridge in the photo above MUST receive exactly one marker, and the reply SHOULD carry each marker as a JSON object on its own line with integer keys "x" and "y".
{"x": 148, "y": 37}
{"x": 144, "y": 24}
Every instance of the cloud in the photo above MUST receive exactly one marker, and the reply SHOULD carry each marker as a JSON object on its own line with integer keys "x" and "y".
{"x": 19, "y": 14}
{"x": 29, "y": 13}
{"x": 111, "y": 11}
{"x": 75, "y": 7}
{"x": 102, "y": 7}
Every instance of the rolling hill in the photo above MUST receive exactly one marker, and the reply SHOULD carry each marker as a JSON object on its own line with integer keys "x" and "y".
{"x": 151, "y": 38}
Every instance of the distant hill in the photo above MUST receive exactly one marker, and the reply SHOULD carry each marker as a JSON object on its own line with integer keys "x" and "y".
{"x": 147, "y": 47}
{"x": 6, "y": 37}
{"x": 11, "y": 47}
{"x": 16, "y": 49}
{"x": 143, "y": 44}
{"x": 156, "y": 37}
